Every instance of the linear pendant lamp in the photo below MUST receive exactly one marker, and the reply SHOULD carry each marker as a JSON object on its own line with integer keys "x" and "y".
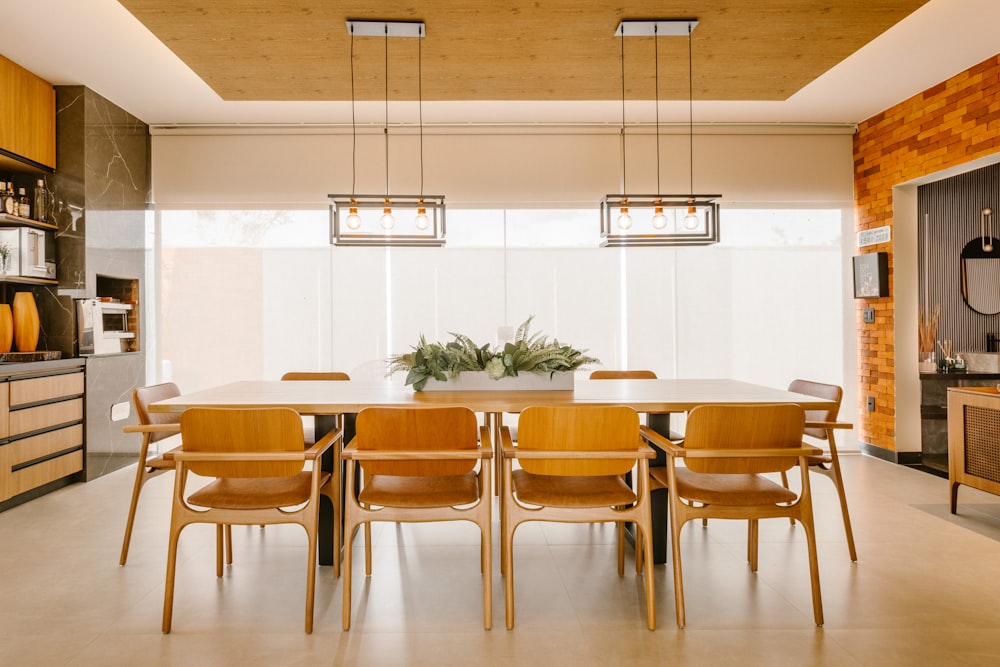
{"x": 659, "y": 219}
{"x": 387, "y": 219}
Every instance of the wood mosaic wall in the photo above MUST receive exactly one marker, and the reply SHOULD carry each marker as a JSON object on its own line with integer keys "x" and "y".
{"x": 954, "y": 122}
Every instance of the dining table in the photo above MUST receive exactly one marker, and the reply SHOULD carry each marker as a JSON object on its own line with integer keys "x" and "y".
{"x": 327, "y": 400}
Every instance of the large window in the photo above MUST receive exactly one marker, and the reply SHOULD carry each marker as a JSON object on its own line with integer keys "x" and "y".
{"x": 252, "y": 294}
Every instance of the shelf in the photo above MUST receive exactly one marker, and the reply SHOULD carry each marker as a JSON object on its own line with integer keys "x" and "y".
{"x": 7, "y": 220}
{"x": 27, "y": 280}
{"x": 114, "y": 305}
{"x": 119, "y": 334}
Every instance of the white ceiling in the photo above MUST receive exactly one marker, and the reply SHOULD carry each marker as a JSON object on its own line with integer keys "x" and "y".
{"x": 97, "y": 43}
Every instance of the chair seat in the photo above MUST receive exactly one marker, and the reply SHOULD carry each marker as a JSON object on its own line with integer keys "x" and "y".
{"x": 256, "y": 493}
{"x": 820, "y": 460}
{"x": 431, "y": 491}
{"x": 726, "y": 489}
{"x": 571, "y": 491}
{"x": 159, "y": 463}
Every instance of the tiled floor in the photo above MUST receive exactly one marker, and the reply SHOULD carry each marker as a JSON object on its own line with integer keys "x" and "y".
{"x": 926, "y": 590}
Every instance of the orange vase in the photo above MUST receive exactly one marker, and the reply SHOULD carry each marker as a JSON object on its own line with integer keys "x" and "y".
{"x": 6, "y": 328}
{"x": 26, "y": 324}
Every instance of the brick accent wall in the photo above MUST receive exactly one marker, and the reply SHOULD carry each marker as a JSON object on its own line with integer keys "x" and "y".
{"x": 956, "y": 121}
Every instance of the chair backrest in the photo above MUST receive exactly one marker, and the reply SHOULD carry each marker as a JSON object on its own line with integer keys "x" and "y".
{"x": 249, "y": 430}
{"x": 417, "y": 429}
{"x": 623, "y": 375}
{"x": 741, "y": 426}
{"x": 831, "y": 392}
{"x": 315, "y": 375}
{"x": 578, "y": 428}
{"x": 143, "y": 396}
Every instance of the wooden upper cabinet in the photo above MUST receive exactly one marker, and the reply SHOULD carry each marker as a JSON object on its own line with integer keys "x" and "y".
{"x": 27, "y": 116}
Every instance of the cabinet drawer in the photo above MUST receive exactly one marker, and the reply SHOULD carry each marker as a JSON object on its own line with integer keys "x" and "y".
{"x": 45, "y": 388}
{"x": 27, "y": 479}
{"x": 38, "y": 446}
{"x": 44, "y": 416}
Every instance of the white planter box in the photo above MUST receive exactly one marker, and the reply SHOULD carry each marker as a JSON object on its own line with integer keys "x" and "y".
{"x": 480, "y": 381}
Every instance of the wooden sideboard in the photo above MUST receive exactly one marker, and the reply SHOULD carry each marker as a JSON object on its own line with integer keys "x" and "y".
{"x": 973, "y": 440}
{"x": 41, "y": 429}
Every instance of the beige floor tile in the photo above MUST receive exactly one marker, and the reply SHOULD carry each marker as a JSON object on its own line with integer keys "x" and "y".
{"x": 924, "y": 590}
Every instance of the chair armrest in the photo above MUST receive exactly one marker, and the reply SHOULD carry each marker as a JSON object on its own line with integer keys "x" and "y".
{"x": 817, "y": 424}
{"x": 643, "y": 451}
{"x": 324, "y": 444}
{"x": 353, "y": 453}
{"x": 152, "y": 428}
{"x": 484, "y": 438}
{"x": 660, "y": 441}
{"x": 180, "y": 455}
{"x": 781, "y": 452}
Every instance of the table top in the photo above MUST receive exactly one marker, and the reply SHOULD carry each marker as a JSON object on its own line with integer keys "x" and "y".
{"x": 337, "y": 397}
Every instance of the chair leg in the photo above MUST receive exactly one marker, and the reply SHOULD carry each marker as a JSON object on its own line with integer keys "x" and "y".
{"x": 168, "y": 588}
{"x": 752, "y": 543}
{"x": 311, "y": 572}
{"x": 219, "y": 548}
{"x": 345, "y": 574}
{"x": 486, "y": 562}
{"x": 229, "y": 544}
{"x": 368, "y": 548}
{"x": 838, "y": 481}
{"x": 620, "y": 525}
{"x": 645, "y": 541}
{"x": 140, "y": 479}
{"x": 784, "y": 483}
{"x": 507, "y": 549}
{"x": 675, "y": 548}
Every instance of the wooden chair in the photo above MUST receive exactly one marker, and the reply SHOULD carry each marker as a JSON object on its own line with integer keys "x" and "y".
{"x": 327, "y": 376}
{"x": 156, "y": 428}
{"x": 257, "y": 458}
{"x": 572, "y": 464}
{"x": 727, "y": 449}
{"x": 419, "y": 465}
{"x": 820, "y": 424}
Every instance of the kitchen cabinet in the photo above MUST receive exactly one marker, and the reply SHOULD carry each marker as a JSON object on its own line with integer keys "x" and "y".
{"x": 27, "y": 120}
{"x": 41, "y": 428}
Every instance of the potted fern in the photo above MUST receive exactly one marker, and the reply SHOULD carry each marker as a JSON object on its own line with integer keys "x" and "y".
{"x": 533, "y": 359}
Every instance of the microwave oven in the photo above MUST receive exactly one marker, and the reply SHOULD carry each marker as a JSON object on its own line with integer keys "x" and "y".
{"x": 31, "y": 252}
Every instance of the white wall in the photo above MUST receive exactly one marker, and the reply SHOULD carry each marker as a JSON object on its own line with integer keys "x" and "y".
{"x": 501, "y": 168}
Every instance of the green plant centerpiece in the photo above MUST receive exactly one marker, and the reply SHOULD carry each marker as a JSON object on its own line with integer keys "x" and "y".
{"x": 528, "y": 353}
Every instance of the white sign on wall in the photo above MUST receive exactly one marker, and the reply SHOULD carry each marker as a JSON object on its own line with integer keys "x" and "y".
{"x": 874, "y": 236}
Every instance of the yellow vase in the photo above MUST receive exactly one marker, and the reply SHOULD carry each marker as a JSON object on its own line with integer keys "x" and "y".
{"x": 26, "y": 325}
{"x": 6, "y": 328}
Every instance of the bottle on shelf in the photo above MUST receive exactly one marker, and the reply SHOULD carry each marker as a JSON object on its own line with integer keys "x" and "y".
{"x": 10, "y": 200}
{"x": 41, "y": 202}
{"x": 23, "y": 204}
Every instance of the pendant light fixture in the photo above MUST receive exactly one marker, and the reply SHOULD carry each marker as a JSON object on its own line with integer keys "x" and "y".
{"x": 387, "y": 219}
{"x": 659, "y": 219}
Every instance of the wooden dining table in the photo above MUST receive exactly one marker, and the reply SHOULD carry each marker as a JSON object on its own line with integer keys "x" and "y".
{"x": 326, "y": 400}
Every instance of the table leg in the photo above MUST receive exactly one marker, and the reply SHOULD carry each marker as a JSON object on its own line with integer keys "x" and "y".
{"x": 331, "y": 461}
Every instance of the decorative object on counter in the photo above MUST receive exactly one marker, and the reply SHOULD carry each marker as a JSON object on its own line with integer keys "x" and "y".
{"x": 42, "y": 205}
{"x": 525, "y": 354}
{"x": 6, "y": 328}
{"x": 947, "y": 363}
{"x": 23, "y": 204}
{"x": 9, "y": 200}
{"x": 927, "y": 327}
{"x": 26, "y": 324}
{"x": 4, "y": 257}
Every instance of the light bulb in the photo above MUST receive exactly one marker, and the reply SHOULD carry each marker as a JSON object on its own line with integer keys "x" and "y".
{"x": 387, "y": 221}
{"x": 423, "y": 222}
{"x": 691, "y": 220}
{"x": 659, "y": 220}
{"x": 353, "y": 219}
{"x": 624, "y": 219}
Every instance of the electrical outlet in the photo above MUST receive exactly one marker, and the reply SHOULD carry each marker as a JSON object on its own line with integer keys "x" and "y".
{"x": 868, "y": 315}
{"x": 871, "y": 404}
{"x": 119, "y": 411}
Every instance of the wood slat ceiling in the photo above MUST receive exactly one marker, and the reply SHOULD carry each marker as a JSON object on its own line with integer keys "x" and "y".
{"x": 299, "y": 50}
